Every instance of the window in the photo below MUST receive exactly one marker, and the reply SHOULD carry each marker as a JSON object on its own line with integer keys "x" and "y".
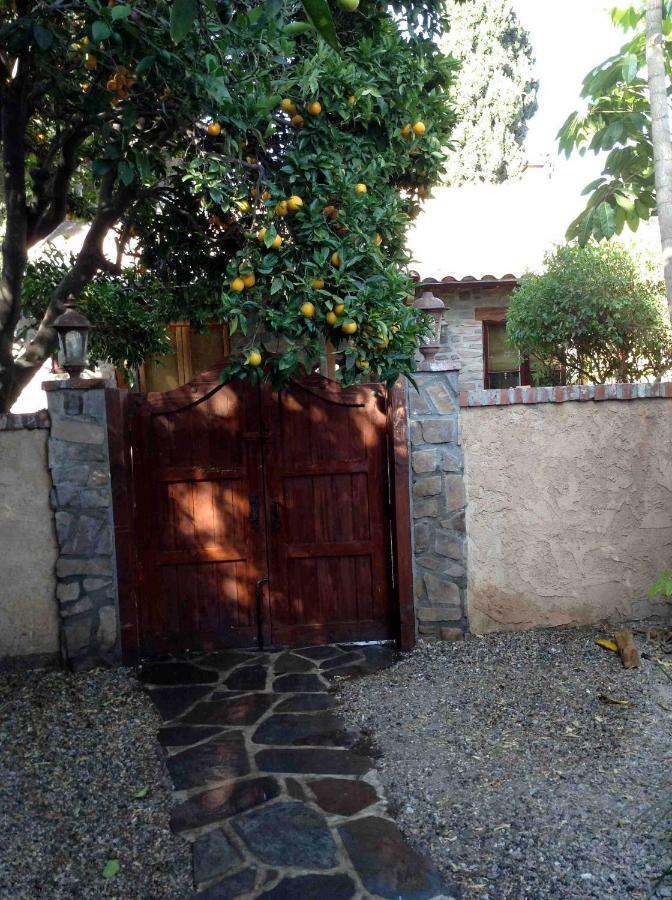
{"x": 503, "y": 367}
{"x": 192, "y": 353}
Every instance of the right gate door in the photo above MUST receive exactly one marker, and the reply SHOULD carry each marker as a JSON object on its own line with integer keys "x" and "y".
{"x": 327, "y": 514}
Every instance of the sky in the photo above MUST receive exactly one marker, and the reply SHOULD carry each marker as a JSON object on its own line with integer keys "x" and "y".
{"x": 501, "y": 229}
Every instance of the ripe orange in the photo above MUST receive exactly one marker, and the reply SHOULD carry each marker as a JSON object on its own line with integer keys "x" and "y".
{"x": 315, "y": 108}
{"x": 335, "y": 259}
{"x": 238, "y": 285}
{"x": 294, "y": 203}
{"x": 307, "y": 309}
{"x": 349, "y": 327}
{"x": 214, "y": 129}
{"x": 360, "y": 188}
{"x": 330, "y": 212}
{"x": 248, "y": 279}
{"x": 378, "y": 240}
{"x": 297, "y": 121}
{"x": 90, "y": 62}
{"x": 352, "y": 99}
{"x": 281, "y": 208}
{"x": 254, "y": 358}
{"x": 331, "y": 318}
{"x": 261, "y": 234}
{"x": 277, "y": 241}
{"x": 419, "y": 128}
{"x": 339, "y": 309}
{"x": 288, "y": 106}
{"x": 265, "y": 196}
{"x": 244, "y": 206}
{"x": 406, "y": 131}
{"x": 317, "y": 284}
{"x": 362, "y": 364}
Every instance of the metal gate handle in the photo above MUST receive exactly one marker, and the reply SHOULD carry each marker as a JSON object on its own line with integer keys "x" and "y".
{"x": 275, "y": 514}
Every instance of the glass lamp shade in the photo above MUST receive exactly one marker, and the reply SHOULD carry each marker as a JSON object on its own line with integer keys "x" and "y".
{"x": 73, "y": 337}
{"x": 432, "y": 305}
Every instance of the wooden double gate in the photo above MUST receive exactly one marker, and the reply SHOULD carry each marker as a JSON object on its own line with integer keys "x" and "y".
{"x": 249, "y": 518}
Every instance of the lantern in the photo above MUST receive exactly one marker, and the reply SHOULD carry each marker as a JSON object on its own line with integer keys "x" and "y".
{"x": 73, "y": 330}
{"x": 428, "y": 303}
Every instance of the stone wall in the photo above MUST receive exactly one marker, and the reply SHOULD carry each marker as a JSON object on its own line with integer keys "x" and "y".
{"x": 28, "y": 615}
{"x": 569, "y": 516}
{"x": 462, "y": 332}
{"x": 438, "y": 502}
{"x": 82, "y": 500}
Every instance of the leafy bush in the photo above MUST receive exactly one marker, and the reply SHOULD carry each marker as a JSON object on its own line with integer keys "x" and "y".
{"x": 597, "y": 311}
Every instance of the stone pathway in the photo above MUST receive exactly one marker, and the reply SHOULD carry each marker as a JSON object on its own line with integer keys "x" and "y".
{"x": 277, "y": 797}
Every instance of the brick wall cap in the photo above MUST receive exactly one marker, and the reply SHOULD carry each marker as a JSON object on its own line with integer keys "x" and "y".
{"x": 576, "y": 393}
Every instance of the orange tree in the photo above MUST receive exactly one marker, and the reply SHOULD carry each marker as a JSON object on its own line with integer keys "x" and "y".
{"x": 261, "y": 176}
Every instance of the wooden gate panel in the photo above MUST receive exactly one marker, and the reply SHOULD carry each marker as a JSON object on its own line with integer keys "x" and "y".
{"x": 200, "y": 483}
{"x": 327, "y": 509}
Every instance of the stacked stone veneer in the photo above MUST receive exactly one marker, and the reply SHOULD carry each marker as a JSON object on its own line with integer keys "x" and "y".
{"x": 438, "y": 503}
{"x": 86, "y": 588}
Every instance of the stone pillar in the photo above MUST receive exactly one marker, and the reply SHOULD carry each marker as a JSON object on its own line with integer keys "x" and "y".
{"x": 438, "y": 502}
{"x": 79, "y": 461}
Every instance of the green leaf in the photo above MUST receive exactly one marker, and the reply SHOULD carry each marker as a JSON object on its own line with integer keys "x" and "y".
{"x": 182, "y": 17}
{"x": 100, "y": 167}
{"x": 43, "y": 38}
{"x": 144, "y": 65}
{"x": 111, "y": 869}
{"x": 126, "y": 172}
{"x": 629, "y": 68}
{"x": 319, "y": 15}
{"x": 122, "y": 11}
{"x": 295, "y": 28}
{"x": 141, "y": 794}
{"x": 605, "y": 220}
{"x": 100, "y": 30}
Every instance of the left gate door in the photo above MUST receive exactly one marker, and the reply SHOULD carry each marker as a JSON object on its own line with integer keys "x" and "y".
{"x": 198, "y": 484}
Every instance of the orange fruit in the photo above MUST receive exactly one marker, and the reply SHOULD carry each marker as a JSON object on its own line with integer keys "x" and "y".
{"x": 406, "y": 131}
{"x": 314, "y": 108}
{"x": 419, "y": 128}
{"x": 85, "y": 88}
{"x": 335, "y": 259}
{"x": 214, "y": 129}
{"x": 294, "y": 203}
{"x": 349, "y": 327}
{"x": 297, "y": 121}
{"x": 277, "y": 241}
{"x": 254, "y": 358}
{"x": 261, "y": 234}
{"x": 362, "y": 364}
{"x": 249, "y": 280}
{"x": 360, "y": 188}
{"x": 317, "y": 284}
{"x": 244, "y": 206}
{"x": 378, "y": 240}
{"x": 339, "y": 309}
{"x": 288, "y": 106}
{"x": 238, "y": 285}
{"x": 90, "y": 62}
{"x": 330, "y": 212}
{"x": 352, "y": 99}
{"x": 331, "y": 318}
{"x": 265, "y": 196}
{"x": 281, "y": 208}
{"x": 307, "y": 309}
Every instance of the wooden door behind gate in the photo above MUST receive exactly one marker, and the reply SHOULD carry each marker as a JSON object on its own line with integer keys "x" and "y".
{"x": 261, "y": 519}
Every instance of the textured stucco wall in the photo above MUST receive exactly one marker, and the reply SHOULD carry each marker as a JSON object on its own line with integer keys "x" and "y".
{"x": 569, "y": 515}
{"x": 28, "y": 613}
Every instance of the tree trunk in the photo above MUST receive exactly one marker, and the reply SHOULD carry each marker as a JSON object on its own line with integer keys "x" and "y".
{"x": 660, "y": 133}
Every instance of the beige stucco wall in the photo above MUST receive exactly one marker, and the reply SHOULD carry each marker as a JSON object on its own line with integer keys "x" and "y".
{"x": 569, "y": 516}
{"x": 28, "y": 617}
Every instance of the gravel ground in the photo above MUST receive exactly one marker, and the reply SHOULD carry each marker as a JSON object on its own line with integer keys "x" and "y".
{"x": 74, "y": 749}
{"x": 503, "y": 764}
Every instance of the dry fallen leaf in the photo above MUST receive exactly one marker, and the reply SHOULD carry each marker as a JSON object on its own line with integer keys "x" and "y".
{"x": 607, "y": 644}
{"x": 605, "y": 698}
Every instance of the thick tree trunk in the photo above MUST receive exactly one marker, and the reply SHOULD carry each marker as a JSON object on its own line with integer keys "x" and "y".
{"x": 660, "y": 133}
{"x": 14, "y": 245}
